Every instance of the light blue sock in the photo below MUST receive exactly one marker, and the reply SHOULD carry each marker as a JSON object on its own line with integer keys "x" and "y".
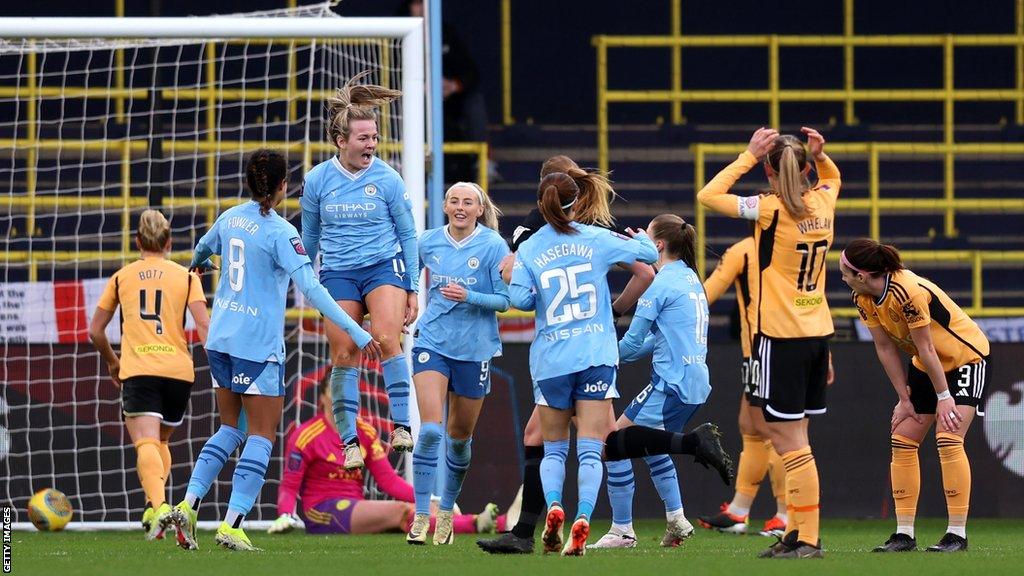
{"x": 459, "y": 454}
{"x": 345, "y": 393}
{"x": 396, "y": 381}
{"x": 211, "y": 459}
{"x": 552, "y": 470}
{"x": 424, "y": 464}
{"x": 663, "y": 473}
{"x": 591, "y": 472}
{"x": 620, "y": 490}
{"x": 250, "y": 472}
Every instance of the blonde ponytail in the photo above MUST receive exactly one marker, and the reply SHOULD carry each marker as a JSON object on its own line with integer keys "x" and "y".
{"x": 788, "y": 158}
{"x": 355, "y": 102}
{"x": 154, "y": 231}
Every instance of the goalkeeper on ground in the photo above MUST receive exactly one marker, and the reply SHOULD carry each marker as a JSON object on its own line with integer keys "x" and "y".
{"x": 332, "y": 497}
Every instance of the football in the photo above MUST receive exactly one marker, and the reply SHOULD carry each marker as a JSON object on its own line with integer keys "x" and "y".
{"x": 49, "y": 510}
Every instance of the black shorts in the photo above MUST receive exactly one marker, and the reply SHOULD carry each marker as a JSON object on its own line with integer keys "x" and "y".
{"x": 966, "y": 383}
{"x": 749, "y": 385}
{"x": 791, "y": 376}
{"x": 165, "y": 398}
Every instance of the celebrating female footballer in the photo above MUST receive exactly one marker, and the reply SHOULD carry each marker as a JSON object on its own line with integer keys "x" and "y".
{"x": 944, "y": 383}
{"x": 592, "y": 208}
{"x": 261, "y": 251}
{"x": 332, "y": 496}
{"x": 155, "y": 370}
{"x": 792, "y": 322}
{"x": 561, "y": 272}
{"x": 357, "y": 214}
{"x": 671, "y": 321}
{"x": 455, "y": 341}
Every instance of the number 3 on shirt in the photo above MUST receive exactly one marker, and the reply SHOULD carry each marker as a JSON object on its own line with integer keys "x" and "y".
{"x": 236, "y": 264}
{"x": 568, "y": 285}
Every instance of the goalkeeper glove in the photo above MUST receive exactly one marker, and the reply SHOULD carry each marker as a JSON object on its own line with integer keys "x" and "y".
{"x": 285, "y": 523}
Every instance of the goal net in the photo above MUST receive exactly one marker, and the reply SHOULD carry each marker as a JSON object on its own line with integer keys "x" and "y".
{"x": 102, "y": 118}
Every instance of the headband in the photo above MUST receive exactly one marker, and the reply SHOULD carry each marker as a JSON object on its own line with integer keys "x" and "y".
{"x": 846, "y": 262}
{"x": 476, "y": 189}
{"x": 569, "y": 205}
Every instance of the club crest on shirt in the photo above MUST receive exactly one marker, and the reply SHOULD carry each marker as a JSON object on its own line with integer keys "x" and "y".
{"x": 423, "y": 357}
{"x": 370, "y": 190}
{"x": 294, "y": 461}
{"x": 297, "y": 245}
{"x": 893, "y": 316}
{"x": 473, "y": 263}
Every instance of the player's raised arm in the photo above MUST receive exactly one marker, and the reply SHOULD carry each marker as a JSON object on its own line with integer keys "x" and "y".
{"x": 715, "y": 194}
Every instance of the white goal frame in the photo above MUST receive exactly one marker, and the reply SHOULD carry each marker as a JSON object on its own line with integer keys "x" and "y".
{"x": 409, "y": 30}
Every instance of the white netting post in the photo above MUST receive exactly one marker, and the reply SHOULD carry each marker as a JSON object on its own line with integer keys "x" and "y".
{"x": 86, "y": 143}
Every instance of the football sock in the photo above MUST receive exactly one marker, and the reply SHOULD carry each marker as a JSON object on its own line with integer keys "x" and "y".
{"x": 777, "y": 475}
{"x": 663, "y": 473}
{"x": 552, "y": 470}
{"x": 211, "y": 459}
{"x": 345, "y": 395}
{"x": 803, "y": 490}
{"x": 750, "y": 471}
{"x": 956, "y": 480}
{"x": 905, "y": 474}
{"x": 620, "y": 491}
{"x": 151, "y": 470}
{"x": 591, "y": 472}
{"x": 165, "y": 459}
{"x": 396, "y": 381}
{"x": 460, "y": 452}
{"x": 424, "y": 464}
{"x": 250, "y": 472}
{"x": 533, "y": 493}
{"x": 640, "y": 441}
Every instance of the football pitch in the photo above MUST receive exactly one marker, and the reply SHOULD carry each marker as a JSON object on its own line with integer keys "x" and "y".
{"x": 995, "y": 548}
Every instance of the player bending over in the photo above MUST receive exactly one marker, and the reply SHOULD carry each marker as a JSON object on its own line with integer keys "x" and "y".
{"x": 332, "y": 496}
{"x": 455, "y": 341}
{"x": 944, "y": 383}
{"x": 261, "y": 251}
{"x": 154, "y": 371}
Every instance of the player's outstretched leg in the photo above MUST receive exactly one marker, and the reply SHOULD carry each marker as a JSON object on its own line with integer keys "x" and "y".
{"x": 703, "y": 443}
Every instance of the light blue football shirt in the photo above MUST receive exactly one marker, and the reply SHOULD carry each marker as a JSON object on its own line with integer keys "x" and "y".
{"x": 258, "y": 254}
{"x": 676, "y": 310}
{"x": 357, "y": 220}
{"x": 564, "y": 277}
{"x": 461, "y": 330}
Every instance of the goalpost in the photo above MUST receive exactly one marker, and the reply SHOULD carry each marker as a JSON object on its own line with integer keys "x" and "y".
{"x": 101, "y": 118}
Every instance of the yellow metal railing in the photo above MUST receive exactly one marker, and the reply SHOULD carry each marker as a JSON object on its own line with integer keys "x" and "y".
{"x": 774, "y": 95}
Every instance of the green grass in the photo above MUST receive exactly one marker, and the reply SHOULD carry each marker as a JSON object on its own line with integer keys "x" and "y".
{"x": 996, "y": 548}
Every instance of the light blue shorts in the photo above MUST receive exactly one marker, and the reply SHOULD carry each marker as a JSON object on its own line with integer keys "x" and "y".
{"x": 658, "y": 406}
{"x": 594, "y": 383}
{"x": 357, "y": 283}
{"x": 245, "y": 376}
{"x": 465, "y": 378}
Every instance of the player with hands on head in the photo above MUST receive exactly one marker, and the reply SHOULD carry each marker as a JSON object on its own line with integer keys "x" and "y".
{"x": 262, "y": 252}
{"x": 792, "y": 324}
{"x": 455, "y": 341}
{"x": 944, "y": 383}
{"x": 357, "y": 215}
